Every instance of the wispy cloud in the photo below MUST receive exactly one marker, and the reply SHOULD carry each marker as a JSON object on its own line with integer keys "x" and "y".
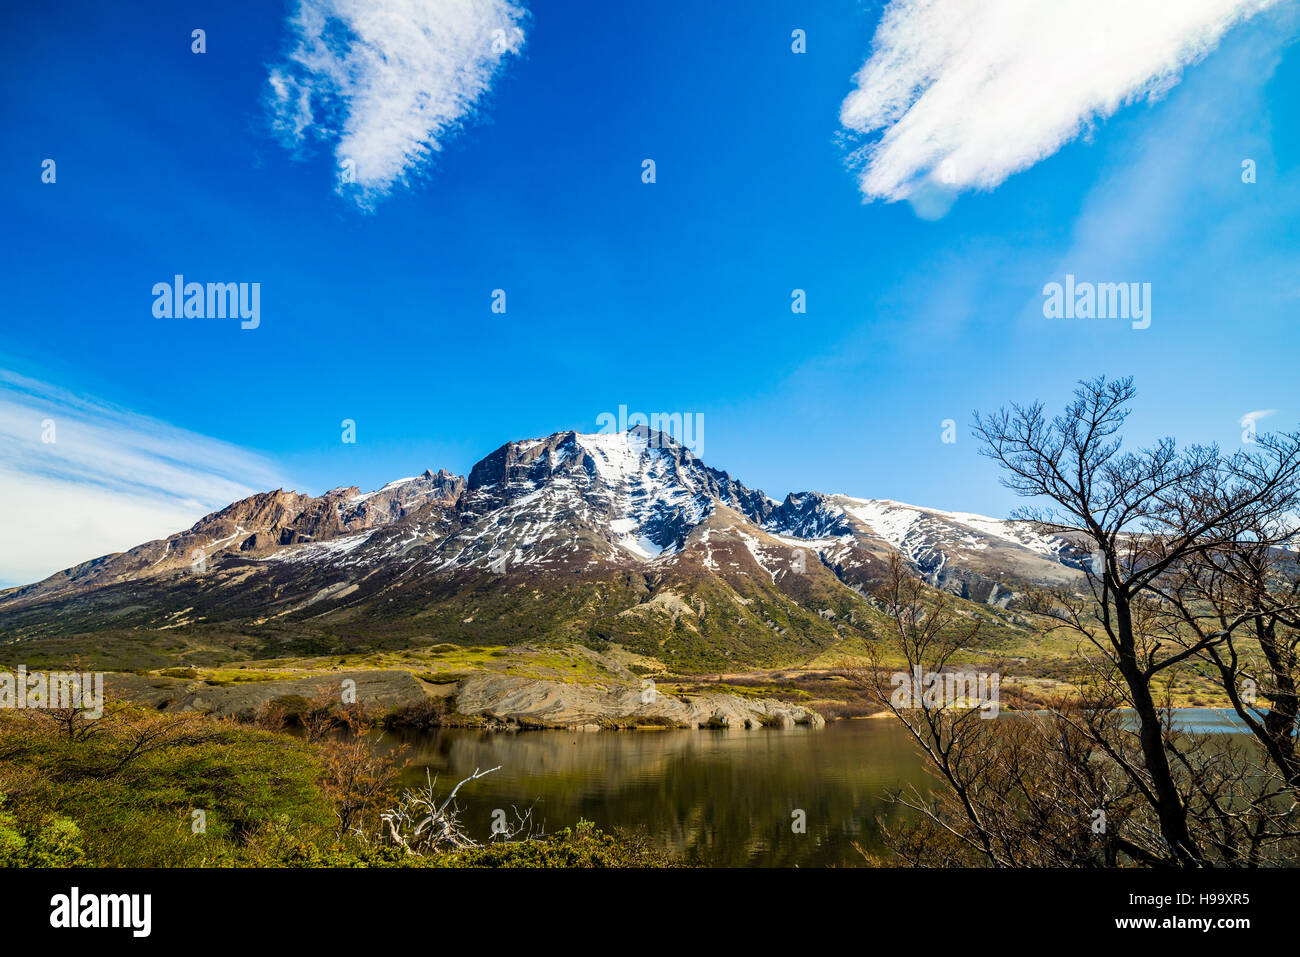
{"x": 388, "y": 80}
{"x": 80, "y": 478}
{"x": 959, "y": 95}
{"x": 1251, "y": 419}
{"x": 1136, "y": 221}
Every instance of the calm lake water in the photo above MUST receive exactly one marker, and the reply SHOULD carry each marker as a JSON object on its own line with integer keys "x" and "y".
{"x": 722, "y": 798}
{"x": 1209, "y": 721}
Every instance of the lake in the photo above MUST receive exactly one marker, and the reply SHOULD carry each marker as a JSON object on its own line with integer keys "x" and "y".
{"x": 722, "y": 798}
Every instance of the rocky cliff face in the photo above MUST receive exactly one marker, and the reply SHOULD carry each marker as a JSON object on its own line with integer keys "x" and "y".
{"x": 260, "y": 526}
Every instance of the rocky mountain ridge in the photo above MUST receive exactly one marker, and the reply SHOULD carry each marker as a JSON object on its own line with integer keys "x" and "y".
{"x": 595, "y": 537}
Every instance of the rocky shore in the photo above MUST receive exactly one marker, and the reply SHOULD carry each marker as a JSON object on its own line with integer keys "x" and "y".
{"x": 555, "y": 704}
{"x": 492, "y": 701}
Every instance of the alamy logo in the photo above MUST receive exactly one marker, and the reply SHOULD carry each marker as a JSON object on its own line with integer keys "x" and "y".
{"x": 946, "y": 689}
{"x": 686, "y": 427}
{"x": 133, "y": 911}
{"x": 214, "y": 300}
{"x": 1098, "y": 300}
{"x": 62, "y": 690}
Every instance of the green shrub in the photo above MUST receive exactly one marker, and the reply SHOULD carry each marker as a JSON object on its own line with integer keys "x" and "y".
{"x": 179, "y": 673}
{"x": 105, "y": 801}
{"x": 581, "y": 846}
{"x": 55, "y": 842}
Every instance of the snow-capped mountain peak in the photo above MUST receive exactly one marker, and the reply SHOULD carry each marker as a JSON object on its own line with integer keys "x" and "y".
{"x": 578, "y": 502}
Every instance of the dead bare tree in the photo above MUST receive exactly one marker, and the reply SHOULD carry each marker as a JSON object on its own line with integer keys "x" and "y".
{"x": 420, "y": 824}
{"x": 923, "y": 632}
{"x": 523, "y": 828}
{"x": 1028, "y": 792}
{"x": 138, "y": 732}
{"x": 71, "y": 723}
{"x": 1063, "y": 785}
{"x": 66, "y": 710}
{"x": 320, "y": 716}
{"x": 1144, "y": 515}
{"x": 357, "y": 778}
{"x": 1240, "y": 605}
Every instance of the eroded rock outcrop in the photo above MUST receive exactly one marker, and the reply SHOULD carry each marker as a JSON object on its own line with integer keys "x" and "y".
{"x": 481, "y": 700}
{"x": 530, "y": 702}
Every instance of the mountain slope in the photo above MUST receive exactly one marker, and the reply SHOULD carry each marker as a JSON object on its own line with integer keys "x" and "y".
{"x": 622, "y": 538}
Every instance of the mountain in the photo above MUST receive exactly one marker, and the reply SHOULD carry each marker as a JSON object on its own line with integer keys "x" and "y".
{"x": 976, "y": 557}
{"x": 595, "y": 538}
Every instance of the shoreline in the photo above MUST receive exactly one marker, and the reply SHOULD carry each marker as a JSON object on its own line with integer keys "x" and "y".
{"x": 488, "y": 701}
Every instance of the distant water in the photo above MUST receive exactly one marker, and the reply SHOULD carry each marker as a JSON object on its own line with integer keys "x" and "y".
{"x": 1209, "y": 721}
{"x": 723, "y": 798}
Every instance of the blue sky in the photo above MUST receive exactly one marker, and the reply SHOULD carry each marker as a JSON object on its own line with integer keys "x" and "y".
{"x": 671, "y": 296}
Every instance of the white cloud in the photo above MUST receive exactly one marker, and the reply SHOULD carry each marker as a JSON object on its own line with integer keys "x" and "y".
{"x": 1135, "y": 221}
{"x": 959, "y": 94}
{"x": 108, "y": 481}
{"x": 387, "y": 80}
{"x": 1251, "y": 419}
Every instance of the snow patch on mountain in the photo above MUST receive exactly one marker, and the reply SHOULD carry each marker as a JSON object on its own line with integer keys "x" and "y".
{"x": 331, "y": 551}
{"x": 911, "y": 529}
{"x": 769, "y": 563}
